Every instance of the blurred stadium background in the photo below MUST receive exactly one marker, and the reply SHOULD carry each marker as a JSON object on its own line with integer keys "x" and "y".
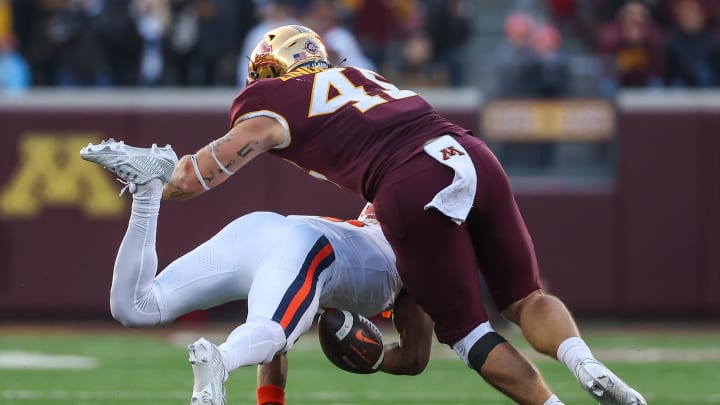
{"x": 606, "y": 114}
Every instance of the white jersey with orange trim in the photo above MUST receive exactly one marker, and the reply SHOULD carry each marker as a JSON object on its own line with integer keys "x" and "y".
{"x": 287, "y": 268}
{"x": 363, "y": 278}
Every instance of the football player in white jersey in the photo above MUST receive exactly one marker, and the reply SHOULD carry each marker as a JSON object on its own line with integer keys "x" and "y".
{"x": 288, "y": 269}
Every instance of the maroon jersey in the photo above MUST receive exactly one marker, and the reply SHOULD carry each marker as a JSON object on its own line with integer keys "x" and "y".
{"x": 345, "y": 125}
{"x": 351, "y": 127}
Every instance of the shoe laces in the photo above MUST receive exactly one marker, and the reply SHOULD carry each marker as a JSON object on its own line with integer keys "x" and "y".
{"x": 129, "y": 187}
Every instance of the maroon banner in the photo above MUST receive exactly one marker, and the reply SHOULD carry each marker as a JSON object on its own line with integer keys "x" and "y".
{"x": 646, "y": 244}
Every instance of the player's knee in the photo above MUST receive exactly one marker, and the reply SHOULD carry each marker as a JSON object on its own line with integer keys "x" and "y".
{"x": 267, "y": 336}
{"x": 482, "y": 348}
{"x": 513, "y": 313}
{"x": 128, "y": 317}
{"x": 475, "y": 347}
{"x": 134, "y": 314}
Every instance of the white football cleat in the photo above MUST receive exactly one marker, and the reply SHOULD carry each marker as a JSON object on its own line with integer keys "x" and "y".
{"x": 604, "y": 386}
{"x": 209, "y": 373}
{"x": 133, "y": 165}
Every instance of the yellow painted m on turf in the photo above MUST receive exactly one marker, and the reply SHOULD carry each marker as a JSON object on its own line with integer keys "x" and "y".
{"x": 50, "y": 173}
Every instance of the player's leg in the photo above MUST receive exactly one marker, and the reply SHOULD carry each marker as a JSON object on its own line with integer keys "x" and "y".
{"x": 282, "y": 302}
{"x": 283, "y": 261}
{"x": 569, "y": 348}
{"x": 215, "y": 272}
{"x": 436, "y": 262}
{"x": 283, "y": 298}
{"x": 506, "y": 256}
{"x": 133, "y": 300}
{"x": 271, "y": 379}
{"x": 507, "y": 259}
{"x": 203, "y": 278}
{"x": 221, "y": 269}
{"x": 135, "y": 296}
{"x": 218, "y": 271}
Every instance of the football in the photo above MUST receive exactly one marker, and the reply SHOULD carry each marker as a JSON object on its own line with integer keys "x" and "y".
{"x": 350, "y": 341}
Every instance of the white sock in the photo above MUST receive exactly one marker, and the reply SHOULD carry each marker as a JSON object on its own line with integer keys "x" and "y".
{"x": 553, "y": 400}
{"x": 146, "y": 198}
{"x": 572, "y": 351}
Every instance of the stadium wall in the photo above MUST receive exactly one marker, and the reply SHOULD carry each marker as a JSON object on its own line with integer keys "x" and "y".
{"x": 646, "y": 244}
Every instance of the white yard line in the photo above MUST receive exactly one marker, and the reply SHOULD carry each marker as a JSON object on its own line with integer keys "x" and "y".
{"x": 22, "y": 360}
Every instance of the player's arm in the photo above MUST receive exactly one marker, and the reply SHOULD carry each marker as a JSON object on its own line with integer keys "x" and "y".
{"x": 410, "y": 356}
{"x": 216, "y": 162}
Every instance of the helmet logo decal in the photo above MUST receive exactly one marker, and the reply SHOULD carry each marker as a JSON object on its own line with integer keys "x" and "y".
{"x": 311, "y": 47}
{"x": 263, "y": 48}
{"x": 299, "y": 56}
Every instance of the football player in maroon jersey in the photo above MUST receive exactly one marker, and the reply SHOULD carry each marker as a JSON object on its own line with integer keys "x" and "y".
{"x": 444, "y": 202}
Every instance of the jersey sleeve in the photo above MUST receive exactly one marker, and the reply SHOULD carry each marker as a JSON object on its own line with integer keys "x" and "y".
{"x": 252, "y": 102}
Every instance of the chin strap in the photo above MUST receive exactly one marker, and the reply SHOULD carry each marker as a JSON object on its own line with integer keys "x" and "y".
{"x": 252, "y": 73}
{"x": 341, "y": 62}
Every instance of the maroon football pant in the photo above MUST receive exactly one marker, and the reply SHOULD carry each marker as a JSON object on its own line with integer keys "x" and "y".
{"x": 438, "y": 260}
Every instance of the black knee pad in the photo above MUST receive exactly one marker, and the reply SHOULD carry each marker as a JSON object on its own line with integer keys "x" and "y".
{"x": 482, "y": 348}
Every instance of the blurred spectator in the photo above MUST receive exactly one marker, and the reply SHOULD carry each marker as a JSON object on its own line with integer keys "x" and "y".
{"x": 607, "y": 11}
{"x": 31, "y": 20}
{"x": 382, "y": 25}
{"x": 96, "y": 44}
{"x": 633, "y": 50}
{"x": 512, "y": 56}
{"x": 449, "y": 27}
{"x": 14, "y": 71}
{"x": 153, "y": 19}
{"x": 416, "y": 68}
{"x": 576, "y": 18}
{"x": 529, "y": 64}
{"x": 710, "y": 9}
{"x": 548, "y": 68}
{"x": 693, "y": 49}
{"x": 182, "y": 39}
{"x": 6, "y": 16}
{"x": 244, "y": 19}
{"x": 25, "y": 20}
{"x": 323, "y": 16}
{"x": 661, "y": 11}
{"x": 273, "y": 14}
{"x": 562, "y": 8}
{"x": 201, "y": 42}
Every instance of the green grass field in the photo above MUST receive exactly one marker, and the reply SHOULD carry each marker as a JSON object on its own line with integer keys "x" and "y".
{"x": 114, "y": 365}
